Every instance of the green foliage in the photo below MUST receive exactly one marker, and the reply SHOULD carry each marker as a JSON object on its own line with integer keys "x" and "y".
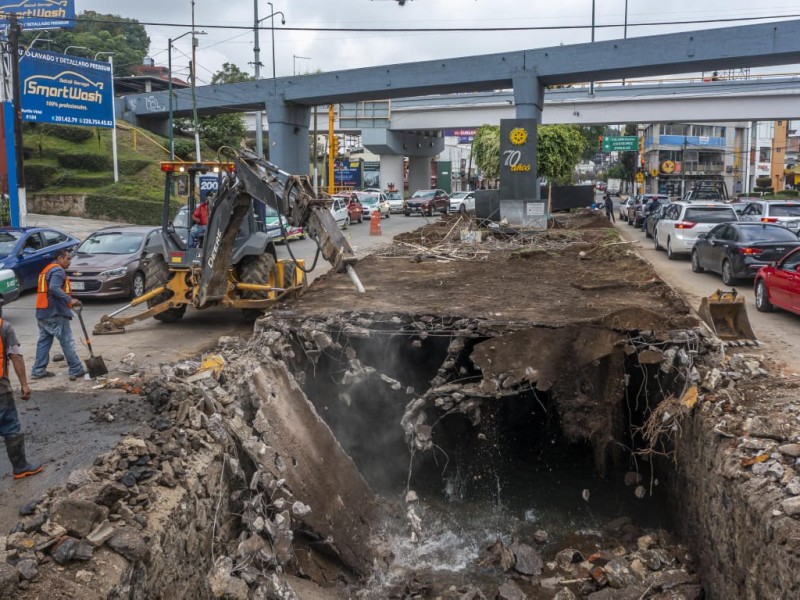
{"x": 560, "y": 149}
{"x": 222, "y": 130}
{"x": 486, "y": 150}
{"x": 183, "y": 148}
{"x": 67, "y": 132}
{"x": 592, "y": 144}
{"x": 616, "y": 171}
{"x": 230, "y": 73}
{"x": 764, "y": 182}
{"x": 38, "y": 175}
{"x": 86, "y": 161}
{"x": 99, "y": 32}
{"x": 72, "y": 179}
{"x": 131, "y": 166}
{"x": 129, "y": 210}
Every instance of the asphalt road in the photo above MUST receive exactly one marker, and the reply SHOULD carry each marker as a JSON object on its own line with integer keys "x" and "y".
{"x": 779, "y": 330}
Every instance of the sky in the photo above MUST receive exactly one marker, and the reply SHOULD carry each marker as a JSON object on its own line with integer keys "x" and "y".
{"x": 324, "y": 50}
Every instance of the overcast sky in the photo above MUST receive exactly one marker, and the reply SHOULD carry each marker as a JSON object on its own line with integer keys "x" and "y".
{"x": 328, "y": 51}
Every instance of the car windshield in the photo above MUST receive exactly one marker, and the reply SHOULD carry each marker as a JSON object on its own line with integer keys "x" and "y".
{"x": 458, "y": 195}
{"x": 394, "y": 196}
{"x": 423, "y": 194}
{"x": 115, "y": 242}
{"x": 709, "y": 214}
{"x": 766, "y": 233}
{"x": 8, "y": 239}
{"x": 369, "y": 200}
{"x": 784, "y": 210}
{"x": 182, "y": 218}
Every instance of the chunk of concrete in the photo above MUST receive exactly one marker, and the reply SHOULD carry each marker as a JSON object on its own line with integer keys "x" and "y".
{"x": 78, "y": 517}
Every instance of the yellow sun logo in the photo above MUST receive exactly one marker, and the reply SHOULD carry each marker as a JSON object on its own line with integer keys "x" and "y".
{"x": 518, "y": 136}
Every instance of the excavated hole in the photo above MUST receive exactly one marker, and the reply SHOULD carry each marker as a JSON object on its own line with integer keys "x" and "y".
{"x": 565, "y": 459}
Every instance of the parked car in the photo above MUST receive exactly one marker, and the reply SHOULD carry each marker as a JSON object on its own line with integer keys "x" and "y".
{"x": 638, "y": 212}
{"x": 278, "y": 227}
{"x": 782, "y": 212}
{"x": 462, "y": 202}
{"x": 9, "y": 290}
{"x": 395, "y": 200}
{"x": 354, "y": 209}
{"x": 623, "y": 207}
{"x": 339, "y": 212}
{"x": 372, "y": 202}
{"x": 778, "y": 284}
{"x": 108, "y": 263}
{"x": 27, "y": 250}
{"x": 600, "y": 187}
{"x": 427, "y": 202}
{"x": 652, "y": 219}
{"x": 739, "y": 250}
{"x": 681, "y": 223}
{"x": 632, "y": 207}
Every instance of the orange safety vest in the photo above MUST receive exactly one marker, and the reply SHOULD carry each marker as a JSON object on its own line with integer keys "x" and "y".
{"x": 42, "y": 300}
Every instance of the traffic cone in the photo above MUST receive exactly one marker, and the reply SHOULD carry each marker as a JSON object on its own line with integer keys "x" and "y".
{"x": 375, "y": 223}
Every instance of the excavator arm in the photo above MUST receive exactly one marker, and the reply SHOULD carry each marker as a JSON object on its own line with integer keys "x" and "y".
{"x": 291, "y": 195}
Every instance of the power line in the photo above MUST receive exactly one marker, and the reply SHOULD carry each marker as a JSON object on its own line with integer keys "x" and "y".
{"x": 454, "y": 29}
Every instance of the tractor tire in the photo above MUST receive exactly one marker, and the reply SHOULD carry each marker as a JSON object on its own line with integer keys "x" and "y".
{"x": 157, "y": 274}
{"x": 255, "y": 269}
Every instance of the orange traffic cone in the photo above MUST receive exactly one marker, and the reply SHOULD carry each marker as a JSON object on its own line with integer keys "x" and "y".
{"x": 375, "y": 223}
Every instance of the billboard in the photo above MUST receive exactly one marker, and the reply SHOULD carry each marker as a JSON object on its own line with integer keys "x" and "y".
{"x": 347, "y": 174}
{"x": 465, "y": 136}
{"x": 66, "y": 90}
{"x": 40, "y": 14}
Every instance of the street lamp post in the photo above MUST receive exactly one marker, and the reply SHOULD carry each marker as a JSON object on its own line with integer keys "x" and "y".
{"x": 294, "y": 62}
{"x": 66, "y": 50}
{"x": 114, "y": 118}
{"x": 171, "y": 41}
{"x": 272, "y": 28}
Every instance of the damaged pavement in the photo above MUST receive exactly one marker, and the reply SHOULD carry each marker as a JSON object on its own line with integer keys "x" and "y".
{"x": 317, "y": 458}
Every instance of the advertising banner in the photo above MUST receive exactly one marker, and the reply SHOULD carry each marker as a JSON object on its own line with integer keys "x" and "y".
{"x": 40, "y": 14}
{"x": 66, "y": 90}
{"x": 347, "y": 174}
{"x": 465, "y": 136}
{"x": 372, "y": 174}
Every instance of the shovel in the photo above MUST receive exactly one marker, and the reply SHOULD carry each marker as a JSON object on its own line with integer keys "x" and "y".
{"x": 94, "y": 364}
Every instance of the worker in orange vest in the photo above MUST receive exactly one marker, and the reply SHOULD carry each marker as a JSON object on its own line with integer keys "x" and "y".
{"x": 53, "y": 314}
{"x": 10, "y": 427}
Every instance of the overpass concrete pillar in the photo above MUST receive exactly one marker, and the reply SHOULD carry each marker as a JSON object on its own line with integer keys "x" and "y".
{"x": 392, "y": 171}
{"x": 419, "y": 173}
{"x": 288, "y": 136}
{"x": 529, "y": 101}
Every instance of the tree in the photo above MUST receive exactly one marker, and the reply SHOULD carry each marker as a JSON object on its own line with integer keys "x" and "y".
{"x": 559, "y": 149}
{"x": 226, "y": 129}
{"x": 100, "y": 32}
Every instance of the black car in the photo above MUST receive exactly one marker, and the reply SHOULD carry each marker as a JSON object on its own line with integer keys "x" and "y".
{"x": 652, "y": 219}
{"x": 639, "y": 211}
{"x": 738, "y": 250}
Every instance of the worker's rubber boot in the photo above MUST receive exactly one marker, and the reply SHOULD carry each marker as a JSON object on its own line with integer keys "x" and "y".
{"x": 15, "y": 446}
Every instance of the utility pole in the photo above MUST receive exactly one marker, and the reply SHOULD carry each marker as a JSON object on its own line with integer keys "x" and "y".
{"x": 591, "y": 83}
{"x": 316, "y": 155}
{"x": 19, "y": 212}
{"x": 257, "y": 66}
{"x": 330, "y": 149}
{"x": 194, "y": 94}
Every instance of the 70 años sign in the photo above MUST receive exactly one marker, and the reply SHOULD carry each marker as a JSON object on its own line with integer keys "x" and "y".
{"x": 67, "y": 90}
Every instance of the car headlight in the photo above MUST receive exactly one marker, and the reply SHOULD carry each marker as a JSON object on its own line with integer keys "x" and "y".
{"x": 114, "y": 272}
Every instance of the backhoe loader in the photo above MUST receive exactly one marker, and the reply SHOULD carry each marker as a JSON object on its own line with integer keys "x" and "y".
{"x": 235, "y": 263}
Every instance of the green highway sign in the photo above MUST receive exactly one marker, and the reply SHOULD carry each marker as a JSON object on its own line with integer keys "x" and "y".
{"x": 628, "y": 143}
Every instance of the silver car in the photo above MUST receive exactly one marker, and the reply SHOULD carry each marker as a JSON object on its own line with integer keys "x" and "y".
{"x": 681, "y": 223}
{"x": 785, "y": 213}
{"x": 462, "y": 202}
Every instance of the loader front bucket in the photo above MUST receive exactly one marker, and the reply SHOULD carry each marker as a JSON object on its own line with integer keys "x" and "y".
{"x": 726, "y": 315}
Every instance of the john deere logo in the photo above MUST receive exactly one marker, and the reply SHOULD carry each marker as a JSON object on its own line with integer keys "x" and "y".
{"x": 668, "y": 166}
{"x": 518, "y": 136}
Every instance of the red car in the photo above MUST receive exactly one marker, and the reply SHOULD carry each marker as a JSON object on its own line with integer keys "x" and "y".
{"x": 354, "y": 209}
{"x": 778, "y": 284}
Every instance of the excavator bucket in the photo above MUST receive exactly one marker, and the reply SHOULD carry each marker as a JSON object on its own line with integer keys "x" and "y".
{"x": 726, "y": 314}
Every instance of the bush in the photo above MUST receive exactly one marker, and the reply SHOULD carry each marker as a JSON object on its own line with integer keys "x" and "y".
{"x": 71, "y": 179}
{"x": 128, "y": 210}
{"x": 184, "y": 148}
{"x": 764, "y": 182}
{"x": 132, "y": 166}
{"x": 791, "y": 193}
{"x": 69, "y": 133}
{"x": 87, "y": 161}
{"x": 37, "y": 176}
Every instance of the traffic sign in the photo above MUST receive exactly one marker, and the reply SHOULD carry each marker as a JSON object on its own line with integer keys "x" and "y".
{"x": 640, "y": 177}
{"x": 628, "y": 143}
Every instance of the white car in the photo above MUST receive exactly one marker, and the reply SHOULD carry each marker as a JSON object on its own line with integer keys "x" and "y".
{"x": 462, "y": 202}
{"x": 372, "y": 201}
{"x": 340, "y": 213}
{"x": 785, "y": 213}
{"x": 395, "y": 200}
{"x": 682, "y": 222}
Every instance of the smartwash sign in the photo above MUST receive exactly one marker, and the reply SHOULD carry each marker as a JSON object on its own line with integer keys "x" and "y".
{"x": 40, "y": 14}
{"x": 66, "y": 90}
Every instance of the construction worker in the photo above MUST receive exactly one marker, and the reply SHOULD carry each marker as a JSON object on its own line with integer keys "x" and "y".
{"x": 200, "y": 220}
{"x": 53, "y": 314}
{"x": 9, "y": 419}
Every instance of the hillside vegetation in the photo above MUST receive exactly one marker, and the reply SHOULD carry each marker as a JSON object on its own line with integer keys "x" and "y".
{"x": 78, "y": 160}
